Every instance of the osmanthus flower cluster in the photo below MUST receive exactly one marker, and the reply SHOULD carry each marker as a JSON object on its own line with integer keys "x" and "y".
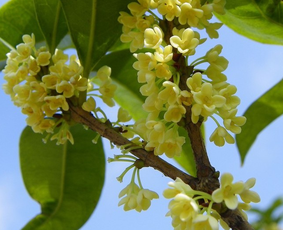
{"x": 159, "y": 72}
{"x": 41, "y": 83}
{"x": 191, "y": 209}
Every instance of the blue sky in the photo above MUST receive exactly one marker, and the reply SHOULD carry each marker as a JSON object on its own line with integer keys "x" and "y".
{"x": 253, "y": 68}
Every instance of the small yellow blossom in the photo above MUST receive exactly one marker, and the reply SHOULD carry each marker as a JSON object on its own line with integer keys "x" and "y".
{"x": 127, "y": 20}
{"x": 89, "y": 105}
{"x": 56, "y": 102}
{"x": 144, "y": 198}
{"x": 174, "y": 113}
{"x": 123, "y": 115}
{"x": 207, "y": 222}
{"x": 194, "y": 83}
{"x": 146, "y": 61}
{"x": 231, "y": 122}
{"x": 249, "y": 196}
{"x": 66, "y": 88}
{"x": 43, "y": 58}
{"x": 228, "y": 191}
{"x": 163, "y": 55}
{"x": 24, "y": 52}
{"x": 220, "y": 135}
{"x": 171, "y": 92}
{"x": 191, "y": 13}
{"x": 104, "y": 73}
{"x": 169, "y": 8}
{"x": 162, "y": 70}
{"x": 153, "y": 37}
{"x": 185, "y": 42}
{"x": 172, "y": 145}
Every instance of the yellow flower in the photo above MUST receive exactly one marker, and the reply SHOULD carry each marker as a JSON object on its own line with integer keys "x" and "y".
{"x": 24, "y": 52}
{"x": 43, "y": 58}
{"x": 127, "y": 20}
{"x": 185, "y": 42}
{"x": 194, "y": 83}
{"x": 123, "y": 115}
{"x": 146, "y": 61}
{"x": 171, "y": 92}
{"x": 231, "y": 122}
{"x": 172, "y": 144}
{"x": 169, "y": 8}
{"x": 174, "y": 113}
{"x": 144, "y": 198}
{"x": 153, "y": 37}
{"x": 227, "y": 191}
{"x": 66, "y": 88}
{"x": 162, "y": 70}
{"x": 206, "y": 102}
{"x": 220, "y": 135}
{"x": 136, "y": 39}
{"x": 190, "y": 13}
{"x": 56, "y": 102}
{"x": 89, "y": 105}
{"x": 249, "y": 196}
{"x": 184, "y": 207}
{"x": 163, "y": 55}
{"x": 207, "y": 222}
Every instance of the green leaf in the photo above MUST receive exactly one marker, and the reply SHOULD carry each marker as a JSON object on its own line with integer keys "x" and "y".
{"x": 65, "y": 179}
{"x": 186, "y": 159}
{"x": 124, "y": 75}
{"x": 17, "y": 18}
{"x": 94, "y": 27}
{"x": 259, "y": 115}
{"x": 51, "y": 21}
{"x": 259, "y": 20}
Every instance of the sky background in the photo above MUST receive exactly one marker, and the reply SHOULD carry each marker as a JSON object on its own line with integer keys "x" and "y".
{"x": 253, "y": 68}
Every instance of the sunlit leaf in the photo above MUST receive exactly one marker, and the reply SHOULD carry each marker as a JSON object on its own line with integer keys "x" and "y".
{"x": 51, "y": 21}
{"x": 259, "y": 115}
{"x": 259, "y": 20}
{"x": 66, "y": 180}
{"x": 94, "y": 27}
{"x": 17, "y": 18}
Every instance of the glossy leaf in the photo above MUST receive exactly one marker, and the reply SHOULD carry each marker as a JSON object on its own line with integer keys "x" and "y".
{"x": 66, "y": 180}
{"x": 259, "y": 115}
{"x": 259, "y": 20}
{"x": 51, "y": 21}
{"x": 124, "y": 75}
{"x": 186, "y": 159}
{"x": 94, "y": 27}
{"x": 17, "y": 18}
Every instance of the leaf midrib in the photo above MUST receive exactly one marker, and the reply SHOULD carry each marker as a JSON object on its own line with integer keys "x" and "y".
{"x": 62, "y": 185}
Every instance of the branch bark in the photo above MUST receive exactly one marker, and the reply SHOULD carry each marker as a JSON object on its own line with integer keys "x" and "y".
{"x": 232, "y": 217}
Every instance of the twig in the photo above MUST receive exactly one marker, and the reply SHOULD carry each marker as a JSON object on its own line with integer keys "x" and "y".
{"x": 232, "y": 217}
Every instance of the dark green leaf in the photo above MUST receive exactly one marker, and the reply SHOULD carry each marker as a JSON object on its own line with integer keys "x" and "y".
{"x": 259, "y": 20}
{"x": 94, "y": 27}
{"x": 124, "y": 75}
{"x": 259, "y": 115}
{"x": 17, "y": 18}
{"x": 186, "y": 159}
{"x": 51, "y": 21}
{"x": 65, "y": 179}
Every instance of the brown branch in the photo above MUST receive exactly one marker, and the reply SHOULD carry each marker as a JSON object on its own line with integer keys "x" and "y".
{"x": 150, "y": 160}
{"x": 232, "y": 217}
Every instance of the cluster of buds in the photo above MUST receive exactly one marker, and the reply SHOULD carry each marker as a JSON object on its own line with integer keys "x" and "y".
{"x": 41, "y": 85}
{"x": 191, "y": 209}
